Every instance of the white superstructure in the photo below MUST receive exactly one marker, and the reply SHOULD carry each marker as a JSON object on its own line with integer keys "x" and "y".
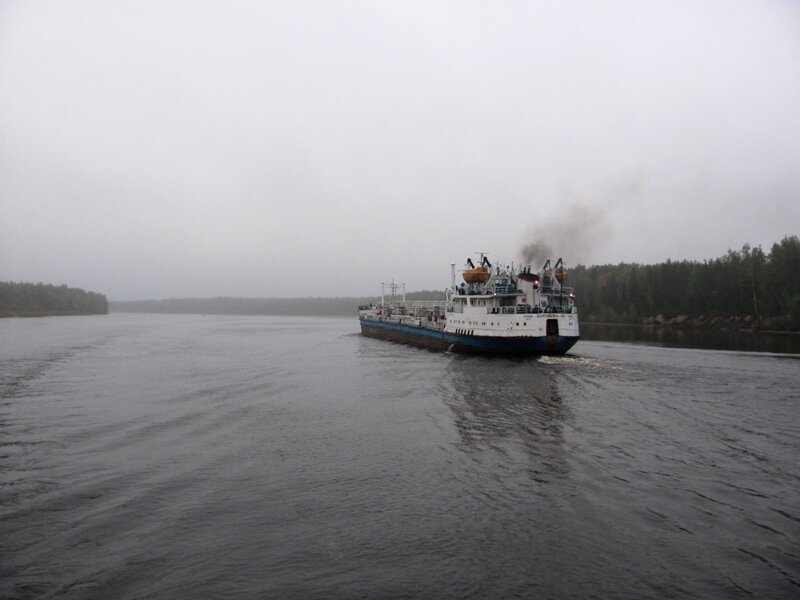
{"x": 503, "y": 302}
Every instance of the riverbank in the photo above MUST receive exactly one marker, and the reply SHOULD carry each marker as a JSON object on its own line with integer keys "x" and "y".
{"x": 743, "y": 324}
{"x": 20, "y": 299}
{"x": 708, "y": 338}
{"x": 48, "y": 313}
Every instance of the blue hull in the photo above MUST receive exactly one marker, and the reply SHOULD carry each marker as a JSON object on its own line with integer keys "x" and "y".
{"x": 439, "y": 340}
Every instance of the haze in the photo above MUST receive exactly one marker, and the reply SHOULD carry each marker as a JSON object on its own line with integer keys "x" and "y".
{"x": 154, "y": 150}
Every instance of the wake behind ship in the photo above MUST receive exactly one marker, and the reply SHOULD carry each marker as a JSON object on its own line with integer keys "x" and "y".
{"x": 495, "y": 310}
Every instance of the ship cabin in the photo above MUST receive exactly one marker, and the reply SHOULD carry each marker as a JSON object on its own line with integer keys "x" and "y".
{"x": 504, "y": 291}
{"x": 504, "y": 301}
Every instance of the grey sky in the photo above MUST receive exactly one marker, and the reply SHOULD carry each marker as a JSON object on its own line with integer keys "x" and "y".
{"x": 163, "y": 149}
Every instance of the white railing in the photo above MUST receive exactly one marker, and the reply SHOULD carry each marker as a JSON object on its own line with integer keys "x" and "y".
{"x": 426, "y": 303}
{"x": 412, "y": 304}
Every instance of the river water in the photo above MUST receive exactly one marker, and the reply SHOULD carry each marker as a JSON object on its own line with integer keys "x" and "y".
{"x": 163, "y": 456}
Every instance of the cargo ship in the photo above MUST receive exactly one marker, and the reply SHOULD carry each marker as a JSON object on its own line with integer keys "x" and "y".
{"x": 494, "y": 310}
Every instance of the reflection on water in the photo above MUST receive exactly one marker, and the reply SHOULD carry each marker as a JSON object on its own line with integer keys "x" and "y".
{"x": 741, "y": 341}
{"x": 293, "y": 458}
{"x": 503, "y": 404}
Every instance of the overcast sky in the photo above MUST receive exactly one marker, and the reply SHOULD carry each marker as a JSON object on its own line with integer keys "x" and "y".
{"x": 174, "y": 149}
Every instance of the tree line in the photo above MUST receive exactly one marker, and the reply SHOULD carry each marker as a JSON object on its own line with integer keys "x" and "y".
{"x": 261, "y": 306}
{"x": 40, "y": 299}
{"x": 760, "y": 288}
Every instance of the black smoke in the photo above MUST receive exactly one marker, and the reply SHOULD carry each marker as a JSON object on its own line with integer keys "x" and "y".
{"x": 573, "y": 232}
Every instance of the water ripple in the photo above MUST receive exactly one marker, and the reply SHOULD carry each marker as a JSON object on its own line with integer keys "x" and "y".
{"x": 245, "y": 456}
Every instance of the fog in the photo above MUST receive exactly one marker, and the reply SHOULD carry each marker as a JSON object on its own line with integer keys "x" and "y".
{"x": 155, "y": 150}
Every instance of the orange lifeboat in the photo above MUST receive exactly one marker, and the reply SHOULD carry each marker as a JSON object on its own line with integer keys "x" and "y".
{"x": 477, "y": 275}
{"x": 561, "y": 272}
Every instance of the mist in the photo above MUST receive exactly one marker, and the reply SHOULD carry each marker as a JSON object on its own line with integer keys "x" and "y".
{"x": 197, "y": 149}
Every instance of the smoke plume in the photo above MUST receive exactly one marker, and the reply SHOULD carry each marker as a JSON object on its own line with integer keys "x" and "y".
{"x": 574, "y": 232}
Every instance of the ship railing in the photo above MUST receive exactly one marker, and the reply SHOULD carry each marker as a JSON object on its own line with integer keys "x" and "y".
{"x": 411, "y": 305}
{"x": 430, "y": 304}
{"x": 505, "y": 289}
{"x": 419, "y": 308}
{"x": 555, "y": 290}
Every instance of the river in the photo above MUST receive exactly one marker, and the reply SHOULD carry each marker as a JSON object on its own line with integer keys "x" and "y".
{"x": 163, "y": 456}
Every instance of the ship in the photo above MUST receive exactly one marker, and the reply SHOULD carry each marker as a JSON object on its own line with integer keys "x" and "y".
{"x": 501, "y": 310}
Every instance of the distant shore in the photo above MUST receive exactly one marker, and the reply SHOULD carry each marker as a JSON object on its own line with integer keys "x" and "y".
{"x": 715, "y": 324}
{"x": 21, "y": 299}
{"x": 35, "y": 314}
{"x": 347, "y": 307}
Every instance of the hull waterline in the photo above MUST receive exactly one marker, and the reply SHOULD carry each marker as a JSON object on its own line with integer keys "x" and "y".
{"x": 554, "y": 345}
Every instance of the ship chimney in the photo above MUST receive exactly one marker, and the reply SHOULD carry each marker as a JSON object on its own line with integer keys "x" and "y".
{"x": 452, "y": 276}
{"x": 529, "y": 284}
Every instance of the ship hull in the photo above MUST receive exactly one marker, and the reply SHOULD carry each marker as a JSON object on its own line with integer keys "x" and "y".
{"x": 468, "y": 344}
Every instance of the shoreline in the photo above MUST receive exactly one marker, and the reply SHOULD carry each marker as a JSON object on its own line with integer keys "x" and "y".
{"x": 48, "y": 314}
{"x": 727, "y": 327}
{"x": 677, "y": 324}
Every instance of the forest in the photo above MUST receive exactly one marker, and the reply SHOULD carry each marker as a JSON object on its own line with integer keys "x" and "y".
{"x": 260, "y": 306}
{"x": 40, "y": 299}
{"x": 748, "y": 286}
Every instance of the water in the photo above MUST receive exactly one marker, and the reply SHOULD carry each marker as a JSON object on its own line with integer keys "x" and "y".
{"x": 710, "y": 339}
{"x": 162, "y": 456}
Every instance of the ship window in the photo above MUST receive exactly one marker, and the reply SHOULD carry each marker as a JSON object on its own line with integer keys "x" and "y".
{"x": 517, "y": 324}
{"x": 525, "y": 324}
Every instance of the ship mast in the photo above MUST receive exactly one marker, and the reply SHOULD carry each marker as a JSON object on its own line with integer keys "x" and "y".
{"x": 392, "y": 287}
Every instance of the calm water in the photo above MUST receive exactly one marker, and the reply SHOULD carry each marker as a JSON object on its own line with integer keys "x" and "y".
{"x": 709, "y": 339}
{"x": 188, "y": 456}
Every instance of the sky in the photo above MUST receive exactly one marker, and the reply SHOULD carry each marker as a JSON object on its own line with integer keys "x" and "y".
{"x": 293, "y": 148}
